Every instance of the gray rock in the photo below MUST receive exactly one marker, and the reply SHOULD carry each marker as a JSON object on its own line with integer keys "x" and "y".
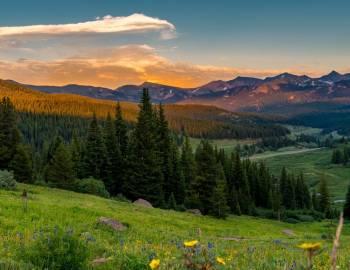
{"x": 100, "y": 261}
{"x": 194, "y": 212}
{"x": 143, "y": 203}
{"x": 112, "y": 223}
{"x": 288, "y": 232}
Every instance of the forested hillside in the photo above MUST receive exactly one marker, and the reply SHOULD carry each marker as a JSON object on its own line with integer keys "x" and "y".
{"x": 56, "y": 113}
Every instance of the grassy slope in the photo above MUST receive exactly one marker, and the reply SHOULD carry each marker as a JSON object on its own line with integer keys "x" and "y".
{"x": 154, "y": 230}
{"x": 313, "y": 164}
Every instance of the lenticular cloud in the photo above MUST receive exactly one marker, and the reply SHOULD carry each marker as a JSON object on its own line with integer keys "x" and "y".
{"x": 108, "y": 24}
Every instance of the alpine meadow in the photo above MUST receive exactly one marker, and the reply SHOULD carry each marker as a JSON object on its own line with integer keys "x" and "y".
{"x": 174, "y": 135}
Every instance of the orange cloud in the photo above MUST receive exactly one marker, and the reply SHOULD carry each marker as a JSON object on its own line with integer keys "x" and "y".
{"x": 128, "y": 64}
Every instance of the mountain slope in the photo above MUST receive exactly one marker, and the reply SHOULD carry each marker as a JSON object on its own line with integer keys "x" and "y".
{"x": 156, "y": 232}
{"x": 197, "y": 120}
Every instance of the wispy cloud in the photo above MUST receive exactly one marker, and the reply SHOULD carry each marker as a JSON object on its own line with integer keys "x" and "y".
{"x": 127, "y": 64}
{"x": 134, "y": 23}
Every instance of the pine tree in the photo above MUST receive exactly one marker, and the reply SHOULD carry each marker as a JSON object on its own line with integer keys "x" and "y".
{"x": 145, "y": 178}
{"x": 345, "y": 156}
{"x": 337, "y": 157}
{"x": 302, "y": 194}
{"x": 287, "y": 185}
{"x": 172, "y": 202}
{"x": 60, "y": 172}
{"x": 165, "y": 153}
{"x": 113, "y": 158}
{"x": 177, "y": 181}
{"x": 9, "y": 134}
{"x": 188, "y": 164}
{"x": 76, "y": 156}
{"x": 219, "y": 207}
{"x": 121, "y": 131}
{"x": 324, "y": 201}
{"x": 95, "y": 152}
{"x": 21, "y": 165}
{"x": 207, "y": 173}
{"x": 346, "y": 209}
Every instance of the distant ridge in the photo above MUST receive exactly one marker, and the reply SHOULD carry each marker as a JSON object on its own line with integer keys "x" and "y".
{"x": 239, "y": 94}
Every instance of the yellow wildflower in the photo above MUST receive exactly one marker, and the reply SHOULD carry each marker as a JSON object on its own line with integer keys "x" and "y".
{"x": 220, "y": 260}
{"x": 154, "y": 264}
{"x": 310, "y": 246}
{"x": 191, "y": 243}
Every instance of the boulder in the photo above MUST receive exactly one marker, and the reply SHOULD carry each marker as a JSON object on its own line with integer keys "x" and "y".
{"x": 112, "y": 223}
{"x": 100, "y": 261}
{"x": 288, "y": 232}
{"x": 194, "y": 212}
{"x": 143, "y": 203}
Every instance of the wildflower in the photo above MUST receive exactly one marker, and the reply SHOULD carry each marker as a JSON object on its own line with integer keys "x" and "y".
{"x": 191, "y": 243}
{"x": 310, "y": 246}
{"x": 154, "y": 264}
{"x": 220, "y": 260}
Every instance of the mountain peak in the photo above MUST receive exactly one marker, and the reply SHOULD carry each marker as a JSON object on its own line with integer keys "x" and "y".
{"x": 333, "y": 77}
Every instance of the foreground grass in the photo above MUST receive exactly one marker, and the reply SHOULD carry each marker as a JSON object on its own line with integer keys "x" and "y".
{"x": 244, "y": 242}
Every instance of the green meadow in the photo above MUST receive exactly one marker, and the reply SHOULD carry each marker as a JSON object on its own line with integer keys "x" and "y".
{"x": 314, "y": 163}
{"x": 242, "y": 242}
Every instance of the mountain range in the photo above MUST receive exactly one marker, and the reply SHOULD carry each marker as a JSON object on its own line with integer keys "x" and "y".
{"x": 281, "y": 93}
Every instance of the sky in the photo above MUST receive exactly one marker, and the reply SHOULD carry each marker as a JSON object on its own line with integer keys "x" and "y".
{"x": 184, "y": 43}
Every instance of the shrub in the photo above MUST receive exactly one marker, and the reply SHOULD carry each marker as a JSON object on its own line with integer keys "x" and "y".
{"x": 91, "y": 186}
{"x": 7, "y": 180}
{"x": 56, "y": 250}
{"x": 306, "y": 218}
{"x": 121, "y": 198}
{"x": 291, "y": 220}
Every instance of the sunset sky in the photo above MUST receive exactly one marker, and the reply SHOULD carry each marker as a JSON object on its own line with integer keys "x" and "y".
{"x": 184, "y": 43}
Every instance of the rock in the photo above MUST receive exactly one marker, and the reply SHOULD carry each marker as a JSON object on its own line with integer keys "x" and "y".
{"x": 194, "y": 212}
{"x": 143, "y": 203}
{"x": 288, "y": 232}
{"x": 233, "y": 238}
{"x": 112, "y": 223}
{"x": 100, "y": 261}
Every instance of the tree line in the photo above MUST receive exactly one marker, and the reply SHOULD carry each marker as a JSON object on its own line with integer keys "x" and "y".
{"x": 145, "y": 161}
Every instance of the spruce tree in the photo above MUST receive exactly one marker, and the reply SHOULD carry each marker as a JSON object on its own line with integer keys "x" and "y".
{"x": 219, "y": 207}
{"x": 121, "y": 131}
{"x": 337, "y": 156}
{"x": 177, "y": 181}
{"x": 145, "y": 178}
{"x": 346, "y": 209}
{"x": 165, "y": 153}
{"x": 95, "y": 152}
{"x": 21, "y": 165}
{"x": 324, "y": 201}
{"x": 76, "y": 153}
{"x": 345, "y": 156}
{"x": 60, "y": 172}
{"x": 113, "y": 162}
{"x": 302, "y": 194}
{"x": 188, "y": 164}
{"x": 9, "y": 134}
{"x": 207, "y": 173}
